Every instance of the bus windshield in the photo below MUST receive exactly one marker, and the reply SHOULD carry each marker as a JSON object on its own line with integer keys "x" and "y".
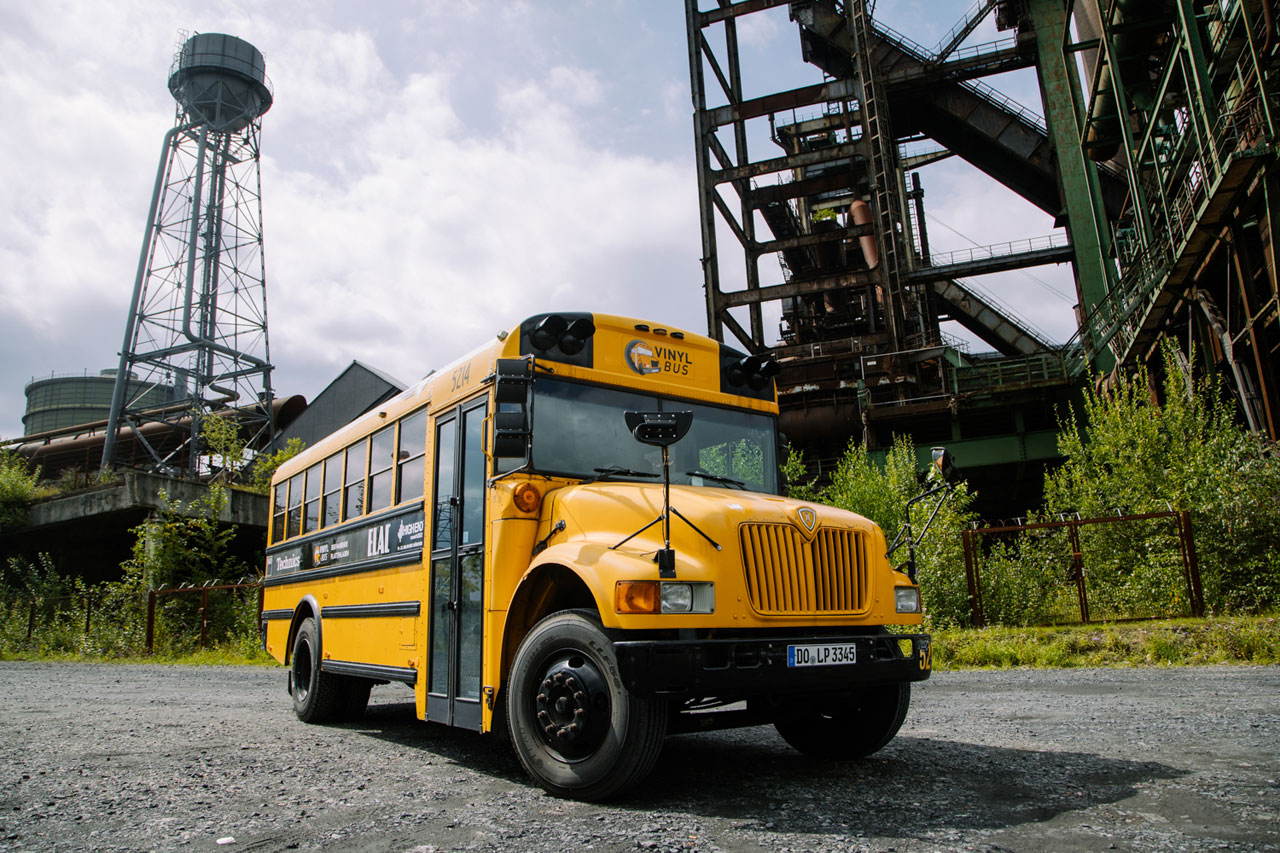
{"x": 578, "y": 429}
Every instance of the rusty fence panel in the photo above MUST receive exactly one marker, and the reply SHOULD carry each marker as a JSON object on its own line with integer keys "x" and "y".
{"x": 153, "y": 598}
{"x": 55, "y": 606}
{"x": 1078, "y": 569}
{"x": 43, "y": 612}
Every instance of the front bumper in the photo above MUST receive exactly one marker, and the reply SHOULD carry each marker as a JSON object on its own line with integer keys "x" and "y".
{"x": 739, "y": 668}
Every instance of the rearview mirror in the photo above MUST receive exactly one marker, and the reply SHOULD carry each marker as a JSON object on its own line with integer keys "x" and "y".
{"x": 945, "y": 465}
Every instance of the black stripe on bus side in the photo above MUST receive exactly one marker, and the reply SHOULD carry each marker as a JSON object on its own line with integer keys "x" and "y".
{"x": 277, "y": 614}
{"x": 371, "y": 670}
{"x": 348, "y": 526}
{"x": 404, "y": 558}
{"x": 389, "y": 608}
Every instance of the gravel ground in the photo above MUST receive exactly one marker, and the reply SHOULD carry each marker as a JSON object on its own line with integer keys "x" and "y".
{"x": 109, "y": 757}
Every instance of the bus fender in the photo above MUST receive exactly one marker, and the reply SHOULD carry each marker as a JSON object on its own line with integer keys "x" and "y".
{"x": 308, "y": 607}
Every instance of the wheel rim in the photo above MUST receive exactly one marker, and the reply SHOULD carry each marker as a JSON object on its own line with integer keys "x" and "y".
{"x": 301, "y": 670}
{"x": 572, "y": 706}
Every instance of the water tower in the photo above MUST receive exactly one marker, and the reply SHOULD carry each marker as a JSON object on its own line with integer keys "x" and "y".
{"x": 197, "y": 321}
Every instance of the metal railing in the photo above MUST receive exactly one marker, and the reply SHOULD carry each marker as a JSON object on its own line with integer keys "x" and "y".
{"x": 998, "y": 250}
{"x": 1019, "y": 371}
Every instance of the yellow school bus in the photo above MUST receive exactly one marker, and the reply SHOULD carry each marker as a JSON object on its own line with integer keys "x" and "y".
{"x": 574, "y": 535}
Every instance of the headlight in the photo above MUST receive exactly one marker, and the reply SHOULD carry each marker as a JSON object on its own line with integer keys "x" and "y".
{"x": 907, "y": 599}
{"x": 664, "y": 597}
{"x": 677, "y": 598}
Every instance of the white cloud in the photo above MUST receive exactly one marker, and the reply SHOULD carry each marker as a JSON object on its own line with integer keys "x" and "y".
{"x": 396, "y": 232}
{"x": 432, "y": 172}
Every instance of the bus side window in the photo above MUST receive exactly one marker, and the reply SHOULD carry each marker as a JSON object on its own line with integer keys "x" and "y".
{"x": 331, "y": 502}
{"x": 294, "y": 522}
{"x": 278, "y": 509}
{"x": 354, "y": 502}
{"x": 446, "y": 436}
{"x": 382, "y": 457}
{"x": 412, "y": 457}
{"x": 311, "y": 506}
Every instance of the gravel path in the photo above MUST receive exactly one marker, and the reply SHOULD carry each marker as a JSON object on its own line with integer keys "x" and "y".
{"x": 177, "y": 758}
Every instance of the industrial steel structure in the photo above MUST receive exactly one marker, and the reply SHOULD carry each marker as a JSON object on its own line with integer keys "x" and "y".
{"x": 1159, "y": 164}
{"x": 197, "y": 321}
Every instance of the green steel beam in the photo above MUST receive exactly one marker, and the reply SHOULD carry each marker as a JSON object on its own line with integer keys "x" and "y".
{"x": 1087, "y": 222}
{"x": 1035, "y": 446}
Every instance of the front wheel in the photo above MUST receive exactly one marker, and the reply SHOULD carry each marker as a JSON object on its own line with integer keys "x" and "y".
{"x": 577, "y": 730}
{"x": 849, "y": 726}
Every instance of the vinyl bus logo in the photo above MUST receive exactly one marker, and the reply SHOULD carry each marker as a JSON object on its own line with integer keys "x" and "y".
{"x": 641, "y": 358}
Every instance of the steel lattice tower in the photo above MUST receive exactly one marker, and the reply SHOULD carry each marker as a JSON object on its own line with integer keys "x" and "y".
{"x": 197, "y": 325}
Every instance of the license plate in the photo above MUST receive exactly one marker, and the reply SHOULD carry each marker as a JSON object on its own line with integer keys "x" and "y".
{"x": 822, "y": 654}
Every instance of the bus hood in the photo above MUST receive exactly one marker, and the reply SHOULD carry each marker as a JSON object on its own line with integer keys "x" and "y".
{"x": 610, "y": 513}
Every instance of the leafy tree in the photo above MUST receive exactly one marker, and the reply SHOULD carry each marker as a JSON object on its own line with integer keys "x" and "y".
{"x": 19, "y": 485}
{"x": 224, "y": 444}
{"x": 1137, "y": 456}
{"x": 184, "y": 544}
{"x": 265, "y": 464}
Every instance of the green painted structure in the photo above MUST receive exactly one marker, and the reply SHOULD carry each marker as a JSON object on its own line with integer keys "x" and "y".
{"x": 1134, "y": 159}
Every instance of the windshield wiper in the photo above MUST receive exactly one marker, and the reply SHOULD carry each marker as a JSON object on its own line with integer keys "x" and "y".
{"x": 616, "y": 471}
{"x": 716, "y": 478}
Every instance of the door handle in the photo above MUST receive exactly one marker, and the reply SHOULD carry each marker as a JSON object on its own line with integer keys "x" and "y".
{"x": 451, "y": 605}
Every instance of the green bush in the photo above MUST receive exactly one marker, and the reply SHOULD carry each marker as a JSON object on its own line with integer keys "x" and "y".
{"x": 45, "y": 614}
{"x": 19, "y": 485}
{"x": 1135, "y": 456}
{"x": 881, "y": 493}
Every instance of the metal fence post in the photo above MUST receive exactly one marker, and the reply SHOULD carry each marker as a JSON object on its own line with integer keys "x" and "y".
{"x": 1077, "y": 569}
{"x": 1189, "y": 563}
{"x": 971, "y": 576}
{"x": 151, "y": 621}
{"x": 204, "y": 616}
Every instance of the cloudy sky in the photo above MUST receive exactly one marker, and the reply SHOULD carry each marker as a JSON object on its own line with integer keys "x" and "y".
{"x": 432, "y": 172}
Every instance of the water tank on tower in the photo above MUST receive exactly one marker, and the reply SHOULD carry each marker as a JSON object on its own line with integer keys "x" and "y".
{"x": 221, "y": 80}
{"x": 197, "y": 321}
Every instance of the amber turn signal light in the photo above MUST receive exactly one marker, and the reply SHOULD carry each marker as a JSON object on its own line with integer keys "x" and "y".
{"x": 526, "y": 497}
{"x": 636, "y": 597}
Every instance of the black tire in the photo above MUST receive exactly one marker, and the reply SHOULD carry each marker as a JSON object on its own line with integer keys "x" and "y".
{"x": 576, "y": 729}
{"x": 317, "y": 694}
{"x": 847, "y": 726}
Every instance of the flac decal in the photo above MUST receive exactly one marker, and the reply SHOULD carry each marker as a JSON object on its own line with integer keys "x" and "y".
{"x": 645, "y": 358}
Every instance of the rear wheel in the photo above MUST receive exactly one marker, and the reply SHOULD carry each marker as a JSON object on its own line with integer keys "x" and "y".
{"x": 848, "y": 726}
{"x": 317, "y": 695}
{"x": 577, "y": 730}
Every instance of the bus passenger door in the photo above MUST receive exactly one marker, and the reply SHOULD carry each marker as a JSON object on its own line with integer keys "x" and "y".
{"x": 457, "y": 568}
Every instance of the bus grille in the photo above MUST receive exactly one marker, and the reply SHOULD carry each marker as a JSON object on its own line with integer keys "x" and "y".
{"x": 786, "y": 574}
